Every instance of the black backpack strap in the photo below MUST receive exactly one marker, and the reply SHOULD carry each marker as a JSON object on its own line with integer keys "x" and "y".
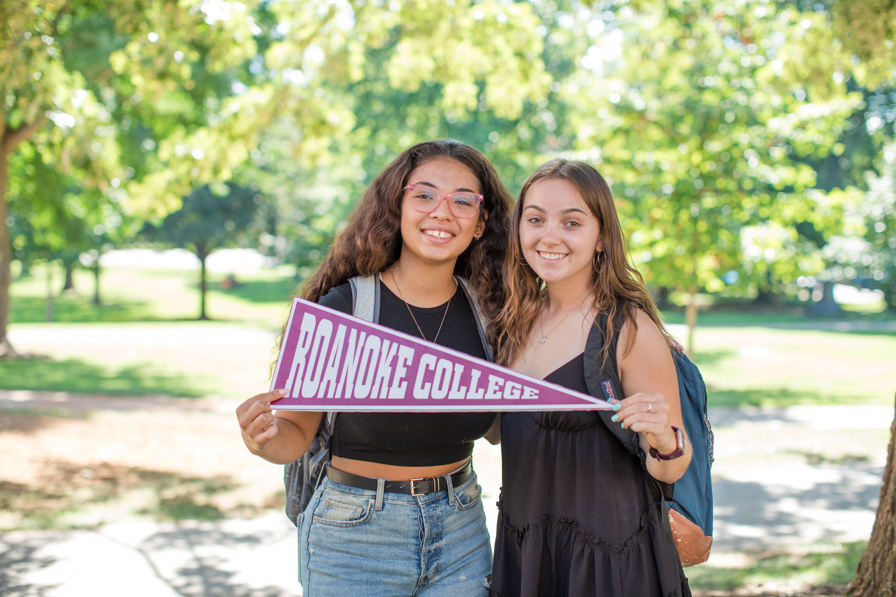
{"x": 602, "y": 380}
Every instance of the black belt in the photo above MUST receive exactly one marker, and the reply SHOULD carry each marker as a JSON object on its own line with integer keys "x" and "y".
{"x": 414, "y": 487}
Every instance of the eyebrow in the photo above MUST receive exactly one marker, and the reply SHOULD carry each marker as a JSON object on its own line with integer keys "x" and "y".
{"x": 564, "y": 212}
{"x": 459, "y": 190}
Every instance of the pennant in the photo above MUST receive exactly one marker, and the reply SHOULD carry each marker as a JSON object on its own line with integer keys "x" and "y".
{"x": 330, "y": 361}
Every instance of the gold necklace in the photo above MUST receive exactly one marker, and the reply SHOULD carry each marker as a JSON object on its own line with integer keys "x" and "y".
{"x": 401, "y": 296}
{"x": 544, "y": 337}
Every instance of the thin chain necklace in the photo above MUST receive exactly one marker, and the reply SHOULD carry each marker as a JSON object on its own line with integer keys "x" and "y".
{"x": 544, "y": 337}
{"x": 401, "y": 296}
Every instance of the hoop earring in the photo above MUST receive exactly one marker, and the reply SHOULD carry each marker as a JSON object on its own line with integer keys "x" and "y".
{"x": 598, "y": 261}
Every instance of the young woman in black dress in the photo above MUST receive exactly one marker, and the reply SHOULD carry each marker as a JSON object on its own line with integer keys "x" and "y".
{"x": 581, "y": 512}
{"x": 437, "y": 212}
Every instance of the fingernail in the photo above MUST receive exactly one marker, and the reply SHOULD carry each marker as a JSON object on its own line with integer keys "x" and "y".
{"x": 622, "y": 424}
{"x": 617, "y": 406}
{"x": 282, "y": 392}
{"x": 615, "y": 418}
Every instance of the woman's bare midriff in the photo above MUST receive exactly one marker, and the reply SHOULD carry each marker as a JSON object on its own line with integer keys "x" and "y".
{"x": 392, "y": 472}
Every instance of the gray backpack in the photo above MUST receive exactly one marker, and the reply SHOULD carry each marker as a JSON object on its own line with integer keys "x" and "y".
{"x": 300, "y": 478}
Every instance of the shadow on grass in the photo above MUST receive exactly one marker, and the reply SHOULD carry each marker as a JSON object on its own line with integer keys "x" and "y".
{"x": 69, "y": 496}
{"x": 777, "y": 397}
{"x": 27, "y": 309}
{"x": 75, "y": 375}
{"x": 833, "y": 564}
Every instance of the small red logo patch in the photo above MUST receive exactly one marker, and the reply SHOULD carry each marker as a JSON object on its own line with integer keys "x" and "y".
{"x": 608, "y": 390}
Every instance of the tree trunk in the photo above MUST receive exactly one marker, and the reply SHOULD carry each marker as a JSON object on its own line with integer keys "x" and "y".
{"x": 69, "y": 278}
{"x": 690, "y": 318}
{"x": 10, "y": 138}
{"x": 203, "y": 284}
{"x": 5, "y": 256}
{"x": 48, "y": 311}
{"x": 889, "y": 290}
{"x": 827, "y": 305}
{"x": 96, "y": 281}
{"x": 876, "y": 574}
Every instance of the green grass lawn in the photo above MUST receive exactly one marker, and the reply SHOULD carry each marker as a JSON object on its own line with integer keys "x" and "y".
{"x": 760, "y": 366}
{"x": 136, "y": 294}
{"x": 744, "y": 358}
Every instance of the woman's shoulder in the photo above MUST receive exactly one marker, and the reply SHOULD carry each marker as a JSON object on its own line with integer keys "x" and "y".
{"x": 339, "y": 298}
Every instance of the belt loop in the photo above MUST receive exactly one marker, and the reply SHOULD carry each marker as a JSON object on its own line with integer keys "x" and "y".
{"x": 450, "y": 488}
{"x": 380, "y": 489}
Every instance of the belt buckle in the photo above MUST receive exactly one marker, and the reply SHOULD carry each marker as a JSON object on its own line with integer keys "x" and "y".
{"x": 414, "y": 490}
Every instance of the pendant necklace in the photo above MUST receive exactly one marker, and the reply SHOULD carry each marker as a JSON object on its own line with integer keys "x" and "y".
{"x": 544, "y": 337}
{"x": 401, "y": 296}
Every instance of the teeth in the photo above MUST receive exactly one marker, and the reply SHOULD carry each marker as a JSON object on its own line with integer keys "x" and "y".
{"x": 552, "y": 255}
{"x": 438, "y": 233}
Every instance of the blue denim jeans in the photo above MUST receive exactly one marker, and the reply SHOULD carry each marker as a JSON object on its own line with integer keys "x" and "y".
{"x": 356, "y": 543}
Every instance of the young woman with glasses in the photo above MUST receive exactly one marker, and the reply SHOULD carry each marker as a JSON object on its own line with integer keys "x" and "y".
{"x": 437, "y": 212}
{"x": 581, "y": 510}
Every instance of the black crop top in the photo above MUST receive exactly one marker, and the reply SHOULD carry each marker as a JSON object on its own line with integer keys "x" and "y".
{"x": 413, "y": 439}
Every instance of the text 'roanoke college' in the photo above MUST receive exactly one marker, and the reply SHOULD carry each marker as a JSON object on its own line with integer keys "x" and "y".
{"x": 329, "y": 365}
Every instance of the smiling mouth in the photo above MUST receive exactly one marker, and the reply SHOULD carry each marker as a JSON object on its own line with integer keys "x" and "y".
{"x": 551, "y": 256}
{"x": 438, "y": 234}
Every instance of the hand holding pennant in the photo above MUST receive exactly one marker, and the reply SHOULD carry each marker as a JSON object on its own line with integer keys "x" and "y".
{"x": 330, "y": 361}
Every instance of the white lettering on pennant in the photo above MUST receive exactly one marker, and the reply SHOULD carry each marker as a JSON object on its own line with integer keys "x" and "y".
{"x": 319, "y": 348}
{"x": 350, "y": 366}
{"x": 328, "y": 385}
{"x": 384, "y": 370}
{"x": 475, "y": 393}
{"x": 512, "y": 390}
{"x": 494, "y": 388}
{"x": 530, "y": 393}
{"x": 421, "y": 390}
{"x": 457, "y": 392}
{"x": 367, "y": 367}
{"x": 442, "y": 379}
{"x": 297, "y": 369}
{"x": 399, "y": 387}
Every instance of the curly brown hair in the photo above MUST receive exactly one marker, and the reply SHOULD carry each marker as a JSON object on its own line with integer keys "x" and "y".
{"x": 616, "y": 283}
{"x": 371, "y": 240}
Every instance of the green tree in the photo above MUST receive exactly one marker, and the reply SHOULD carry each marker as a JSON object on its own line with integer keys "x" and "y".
{"x": 696, "y": 110}
{"x": 207, "y": 221}
{"x": 162, "y": 96}
{"x": 405, "y": 76}
{"x": 50, "y": 50}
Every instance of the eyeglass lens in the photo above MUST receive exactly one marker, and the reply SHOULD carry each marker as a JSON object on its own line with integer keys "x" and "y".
{"x": 426, "y": 199}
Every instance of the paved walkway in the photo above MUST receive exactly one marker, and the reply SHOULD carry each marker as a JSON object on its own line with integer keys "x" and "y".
{"x": 758, "y": 508}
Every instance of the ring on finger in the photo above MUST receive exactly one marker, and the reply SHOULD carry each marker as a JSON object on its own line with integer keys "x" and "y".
{"x": 648, "y": 407}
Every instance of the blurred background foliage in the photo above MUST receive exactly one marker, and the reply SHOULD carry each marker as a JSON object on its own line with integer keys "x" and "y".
{"x": 749, "y": 143}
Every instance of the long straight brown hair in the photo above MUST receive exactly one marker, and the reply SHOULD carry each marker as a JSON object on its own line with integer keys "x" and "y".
{"x": 371, "y": 240}
{"x": 615, "y": 282}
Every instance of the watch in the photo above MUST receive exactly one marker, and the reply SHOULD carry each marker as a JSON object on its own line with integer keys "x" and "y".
{"x": 679, "y": 447}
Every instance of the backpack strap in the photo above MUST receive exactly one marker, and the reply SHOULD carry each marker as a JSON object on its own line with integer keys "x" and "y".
{"x": 366, "y": 306}
{"x": 366, "y": 297}
{"x": 481, "y": 321}
{"x": 602, "y": 380}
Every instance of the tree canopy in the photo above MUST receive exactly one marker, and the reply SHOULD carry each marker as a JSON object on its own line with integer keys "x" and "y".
{"x": 719, "y": 122}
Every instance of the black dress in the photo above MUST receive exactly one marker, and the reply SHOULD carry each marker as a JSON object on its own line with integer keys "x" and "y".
{"x": 578, "y": 514}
